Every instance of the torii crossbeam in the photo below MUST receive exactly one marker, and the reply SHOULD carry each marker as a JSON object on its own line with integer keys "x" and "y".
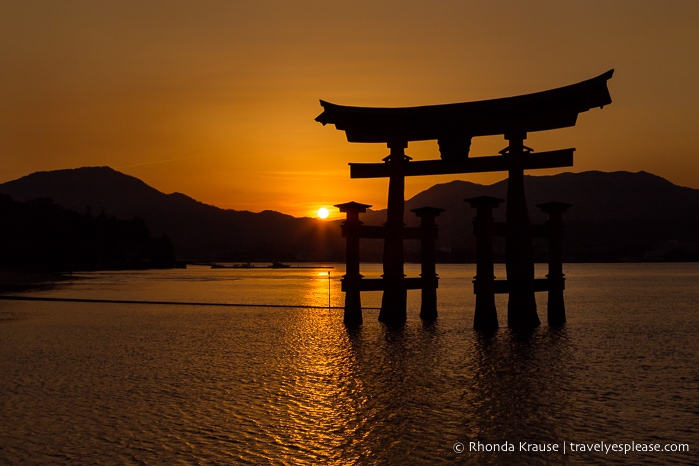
{"x": 453, "y": 126}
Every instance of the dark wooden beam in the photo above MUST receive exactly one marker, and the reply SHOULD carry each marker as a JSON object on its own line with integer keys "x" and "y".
{"x": 375, "y": 231}
{"x": 537, "y": 231}
{"x": 540, "y": 284}
{"x": 379, "y": 284}
{"x": 491, "y": 163}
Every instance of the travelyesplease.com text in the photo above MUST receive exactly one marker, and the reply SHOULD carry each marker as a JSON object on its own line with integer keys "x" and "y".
{"x": 569, "y": 447}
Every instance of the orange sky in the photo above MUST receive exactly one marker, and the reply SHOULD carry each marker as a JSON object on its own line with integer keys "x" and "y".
{"x": 217, "y": 99}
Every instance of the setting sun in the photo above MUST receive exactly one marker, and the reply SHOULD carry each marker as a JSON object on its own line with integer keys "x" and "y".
{"x": 323, "y": 212}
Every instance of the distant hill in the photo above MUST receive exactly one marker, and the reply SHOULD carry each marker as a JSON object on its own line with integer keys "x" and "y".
{"x": 615, "y": 216}
{"x": 198, "y": 231}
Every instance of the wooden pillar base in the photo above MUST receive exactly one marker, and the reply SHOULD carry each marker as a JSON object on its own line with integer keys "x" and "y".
{"x": 394, "y": 304}
{"x": 353, "y": 303}
{"x": 521, "y": 310}
{"x": 428, "y": 307}
{"x": 556, "y": 304}
{"x": 486, "y": 315}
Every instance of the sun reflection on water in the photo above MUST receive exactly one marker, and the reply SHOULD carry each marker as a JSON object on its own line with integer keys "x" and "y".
{"x": 322, "y": 398}
{"x": 323, "y": 290}
{"x": 156, "y": 384}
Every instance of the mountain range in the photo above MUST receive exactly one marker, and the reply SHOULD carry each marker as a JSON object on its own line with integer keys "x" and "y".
{"x": 614, "y": 216}
{"x": 199, "y": 232}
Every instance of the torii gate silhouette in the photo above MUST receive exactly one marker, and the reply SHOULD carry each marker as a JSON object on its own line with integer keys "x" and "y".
{"x": 453, "y": 126}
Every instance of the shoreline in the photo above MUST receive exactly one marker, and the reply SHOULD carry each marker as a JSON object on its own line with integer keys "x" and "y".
{"x": 15, "y": 280}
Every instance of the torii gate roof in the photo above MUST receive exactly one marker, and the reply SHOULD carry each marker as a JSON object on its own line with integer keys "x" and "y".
{"x": 551, "y": 109}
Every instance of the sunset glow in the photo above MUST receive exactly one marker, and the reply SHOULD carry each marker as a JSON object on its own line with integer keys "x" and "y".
{"x": 323, "y": 213}
{"x": 219, "y": 103}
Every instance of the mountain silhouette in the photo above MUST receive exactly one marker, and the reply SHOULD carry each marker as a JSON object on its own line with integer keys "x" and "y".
{"x": 198, "y": 231}
{"x": 615, "y": 216}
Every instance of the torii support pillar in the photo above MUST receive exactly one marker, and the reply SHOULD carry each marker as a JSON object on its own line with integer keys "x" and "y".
{"x": 428, "y": 259}
{"x": 486, "y": 316}
{"x": 519, "y": 255}
{"x": 556, "y": 278}
{"x": 395, "y": 294}
{"x": 351, "y": 281}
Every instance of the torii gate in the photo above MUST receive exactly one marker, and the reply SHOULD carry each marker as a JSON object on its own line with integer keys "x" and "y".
{"x": 453, "y": 126}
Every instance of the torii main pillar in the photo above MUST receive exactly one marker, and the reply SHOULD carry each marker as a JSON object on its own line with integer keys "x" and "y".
{"x": 519, "y": 255}
{"x": 394, "y": 300}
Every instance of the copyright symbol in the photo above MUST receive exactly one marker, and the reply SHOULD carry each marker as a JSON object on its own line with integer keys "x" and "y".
{"x": 458, "y": 447}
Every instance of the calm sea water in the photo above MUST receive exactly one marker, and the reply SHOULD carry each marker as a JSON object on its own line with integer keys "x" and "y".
{"x": 101, "y": 383}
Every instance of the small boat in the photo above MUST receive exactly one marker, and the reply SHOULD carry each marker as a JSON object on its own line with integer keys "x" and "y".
{"x": 278, "y": 265}
{"x": 245, "y": 265}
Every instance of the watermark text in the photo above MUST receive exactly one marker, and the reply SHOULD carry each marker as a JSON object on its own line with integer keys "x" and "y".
{"x": 568, "y": 447}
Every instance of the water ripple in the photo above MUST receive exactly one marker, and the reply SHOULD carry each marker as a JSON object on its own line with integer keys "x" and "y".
{"x": 111, "y": 384}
